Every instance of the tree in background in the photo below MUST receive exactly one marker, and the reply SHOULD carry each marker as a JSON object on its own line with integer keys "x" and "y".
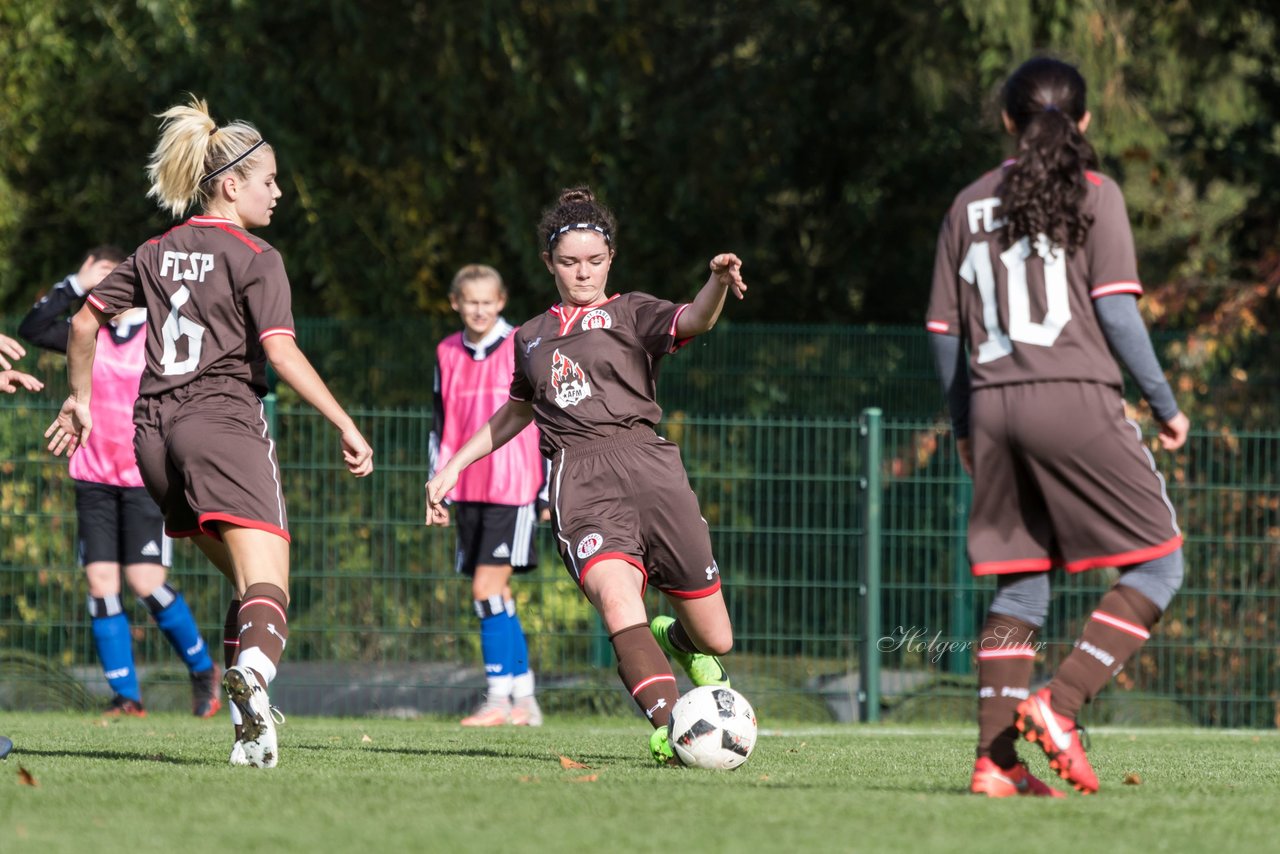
{"x": 818, "y": 138}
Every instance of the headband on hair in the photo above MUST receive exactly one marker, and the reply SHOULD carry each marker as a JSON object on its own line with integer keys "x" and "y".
{"x": 229, "y": 164}
{"x": 589, "y": 226}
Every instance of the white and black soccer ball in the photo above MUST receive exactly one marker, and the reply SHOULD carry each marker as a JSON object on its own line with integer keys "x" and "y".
{"x": 713, "y": 728}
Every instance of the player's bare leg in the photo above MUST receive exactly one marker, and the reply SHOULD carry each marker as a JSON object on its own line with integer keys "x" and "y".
{"x": 260, "y": 561}
{"x": 700, "y": 633}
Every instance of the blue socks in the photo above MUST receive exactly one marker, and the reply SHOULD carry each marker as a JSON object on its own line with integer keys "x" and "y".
{"x": 172, "y": 615}
{"x": 114, "y": 644}
{"x": 495, "y": 646}
{"x": 504, "y": 648}
{"x": 519, "y": 646}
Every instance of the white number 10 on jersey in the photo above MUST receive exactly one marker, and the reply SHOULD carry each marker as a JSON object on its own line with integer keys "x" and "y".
{"x": 976, "y": 270}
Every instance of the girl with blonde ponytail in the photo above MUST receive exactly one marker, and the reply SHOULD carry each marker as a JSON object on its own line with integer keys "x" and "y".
{"x": 218, "y": 309}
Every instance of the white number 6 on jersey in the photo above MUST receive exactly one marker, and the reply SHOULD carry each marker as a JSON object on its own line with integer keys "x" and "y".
{"x": 175, "y": 328}
{"x": 976, "y": 270}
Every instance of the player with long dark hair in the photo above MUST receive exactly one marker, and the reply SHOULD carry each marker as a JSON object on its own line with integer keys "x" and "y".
{"x": 1037, "y": 277}
{"x": 622, "y": 509}
{"x": 218, "y": 309}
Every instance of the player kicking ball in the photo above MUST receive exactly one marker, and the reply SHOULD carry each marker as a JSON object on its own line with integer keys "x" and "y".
{"x": 622, "y": 510}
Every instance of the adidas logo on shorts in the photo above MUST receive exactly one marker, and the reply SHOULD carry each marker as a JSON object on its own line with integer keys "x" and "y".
{"x": 503, "y": 550}
{"x": 151, "y": 549}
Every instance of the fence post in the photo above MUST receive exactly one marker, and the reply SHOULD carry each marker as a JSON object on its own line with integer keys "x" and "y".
{"x": 871, "y": 431}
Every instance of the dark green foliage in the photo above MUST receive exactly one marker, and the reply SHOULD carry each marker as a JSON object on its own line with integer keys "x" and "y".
{"x": 820, "y": 140}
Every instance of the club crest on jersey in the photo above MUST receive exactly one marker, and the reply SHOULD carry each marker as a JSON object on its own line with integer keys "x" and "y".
{"x": 597, "y": 318}
{"x": 589, "y": 545}
{"x": 569, "y": 381}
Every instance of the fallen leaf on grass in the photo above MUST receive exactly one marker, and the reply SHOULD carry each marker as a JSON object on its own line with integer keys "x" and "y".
{"x": 102, "y": 722}
{"x": 25, "y": 778}
{"x": 764, "y": 776}
{"x": 585, "y": 778}
{"x": 566, "y": 762}
{"x": 527, "y": 779}
{"x": 365, "y": 739}
{"x": 1132, "y": 779}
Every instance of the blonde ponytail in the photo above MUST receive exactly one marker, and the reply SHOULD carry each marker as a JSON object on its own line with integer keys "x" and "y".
{"x": 193, "y": 148}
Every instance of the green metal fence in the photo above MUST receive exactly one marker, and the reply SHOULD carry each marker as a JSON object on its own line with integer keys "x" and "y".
{"x": 824, "y": 525}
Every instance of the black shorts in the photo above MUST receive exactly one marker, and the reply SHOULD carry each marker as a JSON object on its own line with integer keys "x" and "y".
{"x": 120, "y": 524}
{"x": 494, "y": 535}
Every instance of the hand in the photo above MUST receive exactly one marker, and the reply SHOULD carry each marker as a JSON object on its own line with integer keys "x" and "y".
{"x": 727, "y": 268}
{"x": 545, "y": 515}
{"x": 437, "y": 488}
{"x": 964, "y": 447}
{"x": 11, "y": 380}
{"x": 93, "y": 271}
{"x": 356, "y": 452}
{"x": 1173, "y": 434}
{"x": 12, "y": 349}
{"x": 70, "y": 430}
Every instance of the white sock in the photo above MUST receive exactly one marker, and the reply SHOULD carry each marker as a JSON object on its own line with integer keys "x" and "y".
{"x": 500, "y": 687}
{"x": 522, "y": 686}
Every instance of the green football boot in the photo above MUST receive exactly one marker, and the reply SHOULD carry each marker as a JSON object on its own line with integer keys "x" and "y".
{"x": 660, "y": 747}
{"x": 702, "y": 669}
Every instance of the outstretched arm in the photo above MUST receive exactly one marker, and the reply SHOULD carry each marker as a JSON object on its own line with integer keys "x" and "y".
{"x": 704, "y": 311}
{"x": 502, "y": 427}
{"x": 71, "y": 428}
{"x": 295, "y": 369}
{"x": 11, "y": 349}
{"x": 11, "y": 381}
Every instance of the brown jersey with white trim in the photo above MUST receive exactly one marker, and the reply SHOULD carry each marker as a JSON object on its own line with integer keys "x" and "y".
{"x": 1026, "y": 311}
{"x": 213, "y": 293}
{"x": 591, "y": 372}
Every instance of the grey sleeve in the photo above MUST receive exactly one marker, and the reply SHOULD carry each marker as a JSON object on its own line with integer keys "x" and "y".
{"x": 1127, "y": 335}
{"x": 953, "y": 370}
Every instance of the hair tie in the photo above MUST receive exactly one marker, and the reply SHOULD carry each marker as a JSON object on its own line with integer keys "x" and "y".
{"x": 224, "y": 167}
{"x": 1051, "y": 108}
{"x": 588, "y": 226}
{"x": 213, "y": 129}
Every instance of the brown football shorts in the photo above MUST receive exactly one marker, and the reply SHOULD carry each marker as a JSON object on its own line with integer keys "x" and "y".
{"x": 1062, "y": 478}
{"x": 628, "y": 498}
{"x": 207, "y": 458}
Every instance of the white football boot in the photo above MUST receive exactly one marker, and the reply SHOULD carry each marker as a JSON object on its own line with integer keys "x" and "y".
{"x": 258, "y": 738}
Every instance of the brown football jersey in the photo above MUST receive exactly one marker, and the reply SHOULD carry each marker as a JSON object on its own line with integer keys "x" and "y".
{"x": 591, "y": 372}
{"x": 1026, "y": 311}
{"x": 213, "y": 293}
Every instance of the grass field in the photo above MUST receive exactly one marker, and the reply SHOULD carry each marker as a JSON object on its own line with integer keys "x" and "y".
{"x": 367, "y": 785}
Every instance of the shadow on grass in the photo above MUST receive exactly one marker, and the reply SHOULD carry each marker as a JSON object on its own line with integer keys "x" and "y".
{"x": 480, "y": 753}
{"x": 118, "y": 756}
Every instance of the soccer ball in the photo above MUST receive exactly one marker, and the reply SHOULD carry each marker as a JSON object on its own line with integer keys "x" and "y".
{"x": 713, "y": 728}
